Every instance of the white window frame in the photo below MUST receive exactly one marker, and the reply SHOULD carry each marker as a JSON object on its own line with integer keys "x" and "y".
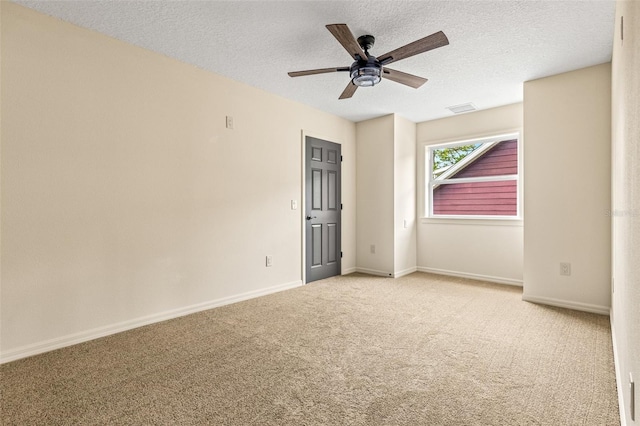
{"x": 430, "y": 182}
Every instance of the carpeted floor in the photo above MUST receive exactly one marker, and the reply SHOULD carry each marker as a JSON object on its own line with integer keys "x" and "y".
{"x": 352, "y": 350}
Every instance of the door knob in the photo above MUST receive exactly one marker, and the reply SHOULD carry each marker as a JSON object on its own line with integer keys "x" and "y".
{"x": 311, "y": 217}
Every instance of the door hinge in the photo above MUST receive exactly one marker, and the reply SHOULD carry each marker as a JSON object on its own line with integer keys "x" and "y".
{"x": 341, "y": 254}
{"x": 341, "y": 206}
{"x": 341, "y": 158}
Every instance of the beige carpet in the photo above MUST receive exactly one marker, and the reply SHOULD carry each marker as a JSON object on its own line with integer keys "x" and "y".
{"x": 353, "y": 350}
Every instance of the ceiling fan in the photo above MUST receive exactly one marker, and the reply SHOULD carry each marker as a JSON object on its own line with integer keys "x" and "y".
{"x": 367, "y": 70}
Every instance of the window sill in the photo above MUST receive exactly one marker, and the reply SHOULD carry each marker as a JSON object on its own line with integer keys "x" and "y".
{"x": 488, "y": 221}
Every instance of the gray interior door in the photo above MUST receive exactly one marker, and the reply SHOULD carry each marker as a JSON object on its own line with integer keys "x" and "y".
{"x": 322, "y": 208}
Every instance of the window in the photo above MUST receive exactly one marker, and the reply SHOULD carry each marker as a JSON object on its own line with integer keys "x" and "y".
{"x": 474, "y": 179}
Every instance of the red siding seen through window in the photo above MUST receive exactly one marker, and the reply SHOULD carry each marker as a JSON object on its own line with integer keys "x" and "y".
{"x": 477, "y": 198}
{"x": 496, "y": 198}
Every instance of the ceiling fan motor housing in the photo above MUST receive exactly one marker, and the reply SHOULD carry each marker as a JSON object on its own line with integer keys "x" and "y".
{"x": 366, "y": 42}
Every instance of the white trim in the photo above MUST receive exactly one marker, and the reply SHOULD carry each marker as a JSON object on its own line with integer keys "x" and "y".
{"x": 405, "y": 272}
{"x": 475, "y": 179}
{"x": 303, "y": 207}
{"x": 477, "y": 221}
{"x": 479, "y": 277}
{"x": 383, "y": 273}
{"x": 374, "y": 272}
{"x": 95, "y": 333}
{"x": 569, "y": 304}
{"x": 472, "y": 138}
{"x": 616, "y": 364}
{"x": 349, "y": 271}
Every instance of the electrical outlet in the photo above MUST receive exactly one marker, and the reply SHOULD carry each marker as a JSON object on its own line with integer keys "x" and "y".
{"x": 269, "y": 261}
{"x": 373, "y": 249}
{"x": 229, "y": 122}
{"x": 294, "y": 204}
{"x": 565, "y": 269}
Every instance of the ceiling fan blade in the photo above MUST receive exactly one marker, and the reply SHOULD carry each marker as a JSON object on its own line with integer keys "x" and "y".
{"x": 318, "y": 71}
{"x": 403, "y": 78}
{"x": 348, "y": 91}
{"x": 345, "y": 37}
{"x": 419, "y": 46}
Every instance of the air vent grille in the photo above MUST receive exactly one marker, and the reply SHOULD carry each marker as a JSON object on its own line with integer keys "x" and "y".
{"x": 459, "y": 109}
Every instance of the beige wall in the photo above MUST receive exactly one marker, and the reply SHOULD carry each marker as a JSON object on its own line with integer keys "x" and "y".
{"x": 375, "y": 192}
{"x": 625, "y": 312}
{"x": 125, "y": 200}
{"x": 484, "y": 249}
{"x": 567, "y": 134}
{"x": 404, "y": 196}
{"x": 386, "y": 181}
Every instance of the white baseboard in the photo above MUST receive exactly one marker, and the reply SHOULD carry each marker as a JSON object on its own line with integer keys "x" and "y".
{"x": 348, "y": 271}
{"x": 387, "y": 274}
{"x": 619, "y": 379}
{"x": 405, "y": 272}
{"x": 84, "y": 336}
{"x": 374, "y": 272}
{"x": 489, "y": 278}
{"x": 569, "y": 304}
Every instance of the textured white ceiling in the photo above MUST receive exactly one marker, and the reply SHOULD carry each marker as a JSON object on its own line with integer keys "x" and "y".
{"x": 494, "y": 45}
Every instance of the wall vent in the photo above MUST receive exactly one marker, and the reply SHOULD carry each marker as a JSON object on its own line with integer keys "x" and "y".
{"x": 459, "y": 109}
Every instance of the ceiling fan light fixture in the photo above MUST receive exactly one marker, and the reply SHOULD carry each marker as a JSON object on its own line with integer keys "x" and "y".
{"x": 367, "y": 75}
